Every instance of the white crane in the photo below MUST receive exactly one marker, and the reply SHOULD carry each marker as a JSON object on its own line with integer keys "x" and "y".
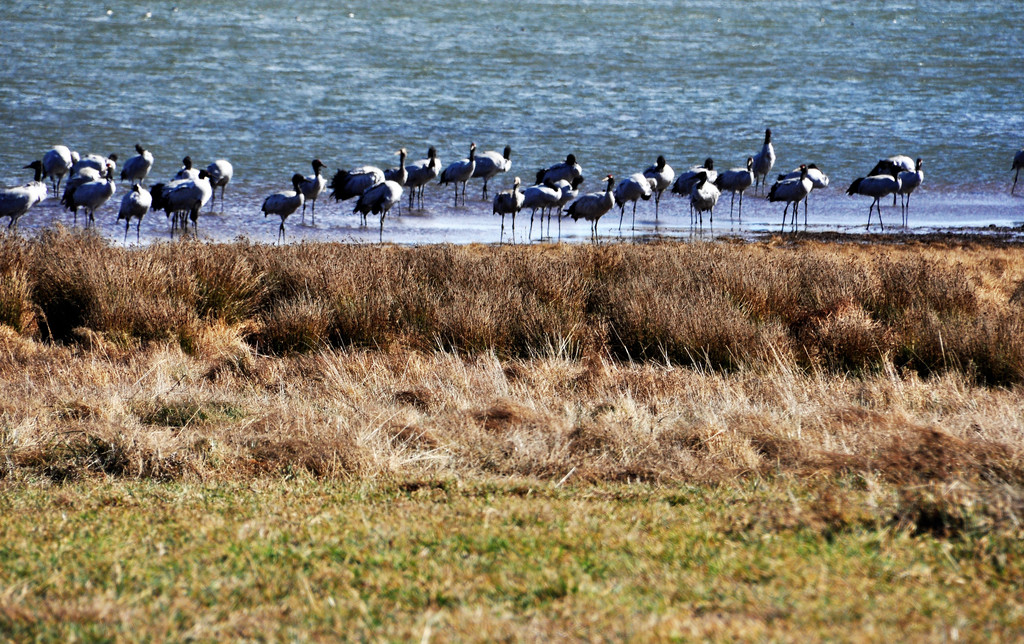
{"x": 378, "y": 200}
{"x": 285, "y": 203}
{"x": 421, "y": 173}
{"x": 311, "y": 188}
{"x": 764, "y": 161}
{"x": 893, "y": 166}
{"x": 185, "y": 195}
{"x": 347, "y": 184}
{"x": 460, "y": 172}
{"x": 909, "y": 181}
{"x": 792, "y": 191}
{"x": 186, "y": 171}
{"x": 137, "y": 167}
{"x": 543, "y": 197}
{"x": 685, "y": 181}
{"x": 134, "y": 205}
{"x": 593, "y": 206}
{"x": 876, "y": 186}
{"x": 736, "y": 180}
{"x": 91, "y": 195}
{"x": 57, "y": 163}
{"x": 221, "y": 172}
{"x": 489, "y": 164}
{"x": 1018, "y": 163}
{"x": 632, "y": 188}
{"x": 661, "y": 175}
{"x": 564, "y": 171}
{"x": 508, "y": 202}
{"x": 16, "y": 201}
{"x": 819, "y": 181}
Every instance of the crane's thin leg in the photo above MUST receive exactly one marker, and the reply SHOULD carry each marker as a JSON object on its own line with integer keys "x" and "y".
{"x": 138, "y": 235}
{"x": 634, "y": 214}
{"x": 382, "y": 227}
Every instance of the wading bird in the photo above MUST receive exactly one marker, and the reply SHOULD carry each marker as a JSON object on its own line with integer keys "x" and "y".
{"x": 421, "y": 173}
{"x": 570, "y": 190}
{"x": 542, "y": 197}
{"x": 703, "y": 197}
{"x": 736, "y": 181}
{"x": 661, "y": 176}
{"x": 134, "y": 205}
{"x": 178, "y": 197}
{"x": 565, "y": 171}
{"x": 347, "y": 184}
{"x": 284, "y": 203}
{"x": 221, "y": 172}
{"x": 460, "y": 172}
{"x": 893, "y": 166}
{"x": 106, "y": 166}
{"x": 16, "y": 201}
{"x": 876, "y": 186}
{"x": 137, "y": 167}
{"x": 909, "y": 181}
{"x": 378, "y": 200}
{"x": 90, "y": 196}
{"x": 311, "y": 188}
{"x": 489, "y": 164}
{"x": 1018, "y": 163}
{"x": 792, "y": 191}
{"x": 593, "y": 206}
{"x": 57, "y": 163}
{"x": 632, "y": 188}
{"x": 80, "y": 178}
{"x": 508, "y": 202}
{"x": 764, "y": 161}
{"x": 186, "y": 171}
{"x": 819, "y": 181}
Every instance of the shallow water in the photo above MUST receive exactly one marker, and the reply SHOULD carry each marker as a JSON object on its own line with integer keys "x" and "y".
{"x": 270, "y": 87}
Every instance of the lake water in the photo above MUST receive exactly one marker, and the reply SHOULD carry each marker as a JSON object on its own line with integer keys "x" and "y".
{"x": 271, "y": 85}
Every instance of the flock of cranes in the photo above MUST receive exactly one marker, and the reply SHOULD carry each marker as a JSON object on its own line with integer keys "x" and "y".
{"x": 89, "y": 183}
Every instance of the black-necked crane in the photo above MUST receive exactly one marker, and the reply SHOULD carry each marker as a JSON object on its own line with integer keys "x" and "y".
{"x": 284, "y": 203}
{"x": 347, "y": 184}
{"x": 736, "y": 180}
{"x": 137, "y": 167}
{"x": 399, "y": 175}
{"x": 893, "y": 166}
{"x": 81, "y": 177}
{"x": 90, "y": 196}
{"x": 876, "y": 187}
{"x": 764, "y": 161}
{"x": 490, "y": 164}
{"x": 661, "y": 175}
{"x": 186, "y": 171}
{"x": 685, "y": 181}
{"x": 134, "y": 205}
{"x": 106, "y": 166}
{"x": 543, "y": 197}
{"x": 185, "y": 195}
{"x": 703, "y": 197}
{"x": 792, "y": 191}
{"x": 16, "y": 201}
{"x": 311, "y": 188}
{"x": 1018, "y": 163}
{"x": 819, "y": 181}
{"x": 421, "y": 173}
{"x": 570, "y": 190}
{"x": 460, "y": 172}
{"x": 593, "y": 206}
{"x": 379, "y": 200}
{"x": 909, "y": 181}
{"x": 632, "y": 188}
{"x": 221, "y": 173}
{"x": 57, "y": 163}
{"x": 565, "y": 171}
{"x": 508, "y": 202}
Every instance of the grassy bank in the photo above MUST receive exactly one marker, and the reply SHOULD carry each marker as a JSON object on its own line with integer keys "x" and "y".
{"x": 729, "y": 440}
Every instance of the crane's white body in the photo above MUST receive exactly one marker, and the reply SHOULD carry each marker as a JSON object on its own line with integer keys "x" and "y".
{"x": 379, "y": 200}
{"x": 16, "y": 201}
{"x": 221, "y": 173}
{"x": 184, "y": 195}
{"x": 703, "y": 197}
{"x": 876, "y": 187}
{"x": 660, "y": 175}
{"x": 792, "y": 191}
{"x": 347, "y": 184}
{"x": 508, "y": 202}
{"x": 565, "y": 171}
{"x": 284, "y": 203}
{"x": 593, "y": 206}
{"x": 421, "y": 173}
{"x": 93, "y": 195}
{"x": 909, "y": 181}
{"x": 106, "y": 166}
{"x": 312, "y": 187}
